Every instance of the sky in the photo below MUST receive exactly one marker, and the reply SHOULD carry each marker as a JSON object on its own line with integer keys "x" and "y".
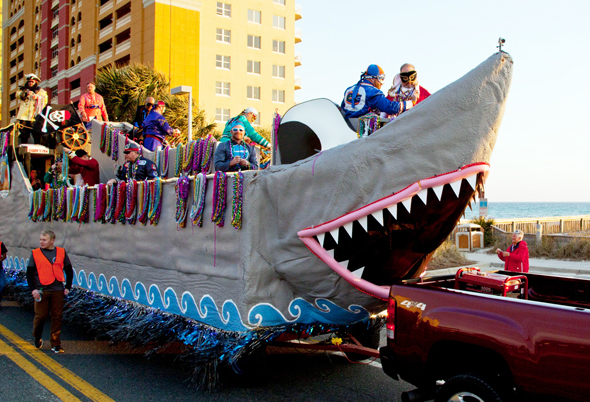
{"x": 543, "y": 147}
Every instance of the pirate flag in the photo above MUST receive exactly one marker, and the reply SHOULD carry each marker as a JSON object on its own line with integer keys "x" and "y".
{"x": 56, "y": 117}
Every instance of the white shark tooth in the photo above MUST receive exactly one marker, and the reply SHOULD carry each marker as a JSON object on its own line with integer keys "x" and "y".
{"x": 408, "y": 204}
{"x": 330, "y": 253}
{"x": 378, "y": 217}
{"x": 344, "y": 264}
{"x": 472, "y": 180}
{"x": 334, "y": 234}
{"x": 438, "y": 191}
{"x": 320, "y": 237}
{"x": 359, "y": 272}
{"x": 363, "y": 222}
{"x": 423, "y": 195}
{"x": 393, "y": 210}
{"x": 456, "y": 186}
{"x": 348, "y": 227}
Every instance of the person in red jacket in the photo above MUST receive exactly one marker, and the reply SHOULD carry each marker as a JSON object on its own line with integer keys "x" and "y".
{"x": 49, "y": 267}
{"x": 516, "y": 257}
{"x": 82, "y": 163}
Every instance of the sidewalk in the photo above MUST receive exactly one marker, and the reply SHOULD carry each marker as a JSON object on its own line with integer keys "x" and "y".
{"x": 536, "y": 265}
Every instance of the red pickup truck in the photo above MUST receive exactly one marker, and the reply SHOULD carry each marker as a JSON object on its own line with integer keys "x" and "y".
{"x": 490, "y": 336}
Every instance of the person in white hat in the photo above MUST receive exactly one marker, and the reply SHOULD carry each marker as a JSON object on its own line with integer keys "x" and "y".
{"x": 32, "y": 101}
{"x": 247, "y": 117}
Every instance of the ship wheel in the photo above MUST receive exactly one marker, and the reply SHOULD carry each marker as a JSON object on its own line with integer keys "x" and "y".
{"x": 75, "y": 137}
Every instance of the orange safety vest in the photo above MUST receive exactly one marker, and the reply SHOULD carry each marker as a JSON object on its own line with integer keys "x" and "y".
{"x": 47, "y": 271}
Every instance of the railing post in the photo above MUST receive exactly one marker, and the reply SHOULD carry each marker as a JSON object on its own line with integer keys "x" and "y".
{"x": 513, "y": 226}
{"x": 539, "y": 234}
{"x": 561, "y": 226}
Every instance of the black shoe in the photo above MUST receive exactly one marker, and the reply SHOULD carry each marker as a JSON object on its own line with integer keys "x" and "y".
{"x": 58, "y": 349}
{"x": 38, "y": 343}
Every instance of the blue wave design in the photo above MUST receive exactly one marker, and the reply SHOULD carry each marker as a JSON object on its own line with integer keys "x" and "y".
{"x": 323, "y": 311}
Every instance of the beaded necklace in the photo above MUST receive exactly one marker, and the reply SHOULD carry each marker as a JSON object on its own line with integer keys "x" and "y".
{"x": 65, "y": 167}
{"x": 243, "y": 155}
{"x": 64, "y": 202}
{"x": 109, "y": 138}
{"x": 236, "y": 219}
{"x": 275, "y": 131}
{"x": 111, "y": 204}
{"x": 208, "y": 147}
{"x": 155, "y": 201}
{"x": 198, "y": 205}
{"x": 143, "y": 200}
{"x": 48, "y": 205}
{"x": 103, "y": 137}
{"x": 3, "y": 143}
{"x": 115, "y": 141}
{"x": 83, "y": 216}
{"x": 164, "y": 163}
{"x": 99, "y": 203}
{"x": 130, "y": 208}
{"x": 187, "y": 157}
{"x": 178, "y": 161}
{"x": 182, "y": 188}
{"x": 197, "y": 156}
{"x": 75, "y": 208}
{"x": 40, "y": 204}
{"x": 219, "y": 196}
{"x": 69, "y": 192}
{"x": 121, "y": 201}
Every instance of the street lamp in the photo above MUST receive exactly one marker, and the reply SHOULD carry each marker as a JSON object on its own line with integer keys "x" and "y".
{"x": 181, "y": 90}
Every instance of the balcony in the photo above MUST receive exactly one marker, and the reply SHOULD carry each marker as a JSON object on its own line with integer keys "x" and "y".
{"x": 297, "y": 35}
{"x": 21, "y": 48}
{"x": 12, "y": 103}
{"x": 13, "y": 70}
{"x": 123, "y": 21}
{"x": 55, "y": 41}
{"x": 79, "y": 25}
{"x": 121, "y": 47}
{"x": 72, "y": 30}
{"x": 297, "y": 83}
{"x": 21, "y": 31}
{"x": 13, "y": 54}
{"x": 297, "y": 59}
{"x": 21, "y": 65}
{"x": 13, "y": 37}
{"x": 54, "y": 62}
{"x": 37, "y": 36}
{"x": 73, "y": 50}
{"x": 105, "y": 31}
{"x": 54, "y": 22}
{"x": 106, "y": 7}
{"x": 12, "y": 87}
{"x": 74, "y": 92}
{"x": 105, "y": 56}
{"x": 298, "y": 12}
{"x": 79, "y": 46}
{"x": 54, "y": 4}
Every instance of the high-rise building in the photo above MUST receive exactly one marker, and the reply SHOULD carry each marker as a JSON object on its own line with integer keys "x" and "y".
{"x": 233, "y": 53}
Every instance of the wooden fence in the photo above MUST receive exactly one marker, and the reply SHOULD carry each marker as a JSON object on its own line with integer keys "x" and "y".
{"x": 551, "y": 225}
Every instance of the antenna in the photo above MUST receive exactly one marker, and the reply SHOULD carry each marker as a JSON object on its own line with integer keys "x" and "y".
{"x": 501, "y": 42}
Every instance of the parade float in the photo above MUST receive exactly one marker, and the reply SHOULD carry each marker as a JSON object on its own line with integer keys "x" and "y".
{"x": 224, "y": 262}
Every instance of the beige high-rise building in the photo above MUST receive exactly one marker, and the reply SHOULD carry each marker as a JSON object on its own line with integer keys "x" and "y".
{"x": 234, "y": 54}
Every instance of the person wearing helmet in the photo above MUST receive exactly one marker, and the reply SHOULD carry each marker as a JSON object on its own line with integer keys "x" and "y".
{"x": 366, "y": 96}
{"x": 247, "y": 117}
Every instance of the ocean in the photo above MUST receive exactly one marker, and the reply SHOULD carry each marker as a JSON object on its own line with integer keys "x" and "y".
{"x": 509, "y": 210}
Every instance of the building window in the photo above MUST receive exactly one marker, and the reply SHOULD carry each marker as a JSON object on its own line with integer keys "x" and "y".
{"x": 73, "y": 43}
{"x": 222, "y": 88}
{"x": 278, "y": 71}
{"x": 254, "y": 41}
{"x": 254, "y": 16}
{"x": 278, "y": 46}
{"x": 73, "y": 21}
{"x": 53, "y": 92}
{"x": 223, "y": 35}
{"x": 55, "y": 12}
{"x": 278, "y": 95}
{"x": 222, "y": 115}
{"x": 224, "y": 9}
{"x": 253, "y": 67}
{"x": 54, "y": 71}
{"x": 54, "y": 53}
{"x": 54, "y": 33}
{"x": 281, "y": 2}
{"x": 278, "y": 22}
{"x": 253, "y": 93}
{"x": 223, "y": 62}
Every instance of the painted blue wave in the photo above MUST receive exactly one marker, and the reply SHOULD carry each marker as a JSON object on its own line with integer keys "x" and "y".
{"x": 205, "y": 310}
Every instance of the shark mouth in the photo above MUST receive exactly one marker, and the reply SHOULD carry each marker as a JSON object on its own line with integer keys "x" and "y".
{"x": 395, "y": 237}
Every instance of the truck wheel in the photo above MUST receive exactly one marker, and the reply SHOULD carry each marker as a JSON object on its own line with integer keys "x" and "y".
{"x": 468, "y": 388}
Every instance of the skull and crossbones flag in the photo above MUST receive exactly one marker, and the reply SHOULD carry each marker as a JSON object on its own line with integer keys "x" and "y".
{"x": 56, "y": 117}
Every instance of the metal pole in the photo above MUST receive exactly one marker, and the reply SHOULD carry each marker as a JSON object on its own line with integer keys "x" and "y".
{"x": 190, "y": 115}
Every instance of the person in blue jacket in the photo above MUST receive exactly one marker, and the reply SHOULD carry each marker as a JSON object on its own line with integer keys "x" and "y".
{"x": 156, "y": 128}
{"x": 365, "y": 96}
{"x": 235, "y": 154}
{"x": 247, "y": 117}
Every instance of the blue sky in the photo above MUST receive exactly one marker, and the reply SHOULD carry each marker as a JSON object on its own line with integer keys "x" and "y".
{"x": 542, "y": 152}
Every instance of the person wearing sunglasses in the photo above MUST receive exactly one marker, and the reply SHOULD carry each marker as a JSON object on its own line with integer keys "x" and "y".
{"x": 247, "y": 117}
{"x": 235, "y": 155}
{"x": 365, "y": 96}
{"x": 156, "y": 128}
{"x": 406, "y": 86}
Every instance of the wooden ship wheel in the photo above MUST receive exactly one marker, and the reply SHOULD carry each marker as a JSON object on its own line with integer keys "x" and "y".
{"x": 75, "y": 137}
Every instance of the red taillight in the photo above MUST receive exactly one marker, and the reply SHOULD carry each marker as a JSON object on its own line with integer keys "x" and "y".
{"x": 390, "y": 326}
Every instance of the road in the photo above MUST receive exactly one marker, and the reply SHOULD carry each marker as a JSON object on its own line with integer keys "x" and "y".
{"x": 93, "y": 370}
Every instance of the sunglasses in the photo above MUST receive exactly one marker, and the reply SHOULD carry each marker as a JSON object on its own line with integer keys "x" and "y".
{"x": 408, "y": 76}
{"x": 237, "y": 129}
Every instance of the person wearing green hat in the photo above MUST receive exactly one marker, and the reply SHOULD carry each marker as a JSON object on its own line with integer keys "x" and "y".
{"x": 248, "y": 116}
{"x": 235, "y": 155}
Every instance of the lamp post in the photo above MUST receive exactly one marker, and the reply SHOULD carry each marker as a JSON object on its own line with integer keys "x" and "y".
{"x": 181, "y": 90}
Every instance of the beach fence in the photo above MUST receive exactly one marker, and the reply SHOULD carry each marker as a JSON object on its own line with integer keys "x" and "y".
{"x": 550, "y": 225}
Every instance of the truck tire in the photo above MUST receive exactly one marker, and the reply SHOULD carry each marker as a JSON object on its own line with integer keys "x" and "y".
{"x": 468, "y": 388}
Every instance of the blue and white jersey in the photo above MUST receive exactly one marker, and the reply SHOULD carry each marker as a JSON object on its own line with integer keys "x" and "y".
{"x": 369, "y": 99}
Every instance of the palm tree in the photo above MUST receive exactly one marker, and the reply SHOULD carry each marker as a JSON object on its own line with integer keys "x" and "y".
{"x": 125, "y": 88}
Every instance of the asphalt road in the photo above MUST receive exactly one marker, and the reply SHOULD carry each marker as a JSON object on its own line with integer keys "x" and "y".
{"x": 92, "y": 370}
